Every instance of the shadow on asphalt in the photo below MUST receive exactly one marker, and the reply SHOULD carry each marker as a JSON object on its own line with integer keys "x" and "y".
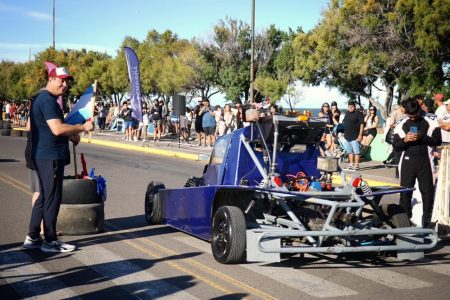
{"x": 231, "y": 296}
{"x": 131, "y": 222}
{"x": 361, "y": 260}
{"x": 3, "y": 160}
{"x": 100, "y": 275}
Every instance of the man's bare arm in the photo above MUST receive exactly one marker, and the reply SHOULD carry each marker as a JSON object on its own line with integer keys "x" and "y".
{"x": 59, "y": 128}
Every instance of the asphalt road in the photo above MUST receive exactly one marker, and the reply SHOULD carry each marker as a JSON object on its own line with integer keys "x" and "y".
{"x": 134, "y": 260}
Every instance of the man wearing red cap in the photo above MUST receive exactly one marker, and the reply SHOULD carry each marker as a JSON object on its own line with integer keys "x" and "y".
{"x": 50, "y": 150}
{"x": 440, "y": 107}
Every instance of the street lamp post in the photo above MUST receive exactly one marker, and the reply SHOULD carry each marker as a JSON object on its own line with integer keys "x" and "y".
{"x": 252, "y": 55}
{"x": 53, "y": 24}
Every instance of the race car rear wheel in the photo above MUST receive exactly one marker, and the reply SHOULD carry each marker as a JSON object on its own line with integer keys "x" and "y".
{"x": 396, "y": 215}
{"x": 228, "y": 240}
{"x": 153, "y": 204}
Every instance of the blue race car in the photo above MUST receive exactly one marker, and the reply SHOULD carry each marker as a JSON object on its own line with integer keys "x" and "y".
{"x": 267, "y": 190}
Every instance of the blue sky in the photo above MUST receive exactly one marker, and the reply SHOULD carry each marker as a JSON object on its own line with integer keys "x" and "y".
{"x": 102, "y": 24}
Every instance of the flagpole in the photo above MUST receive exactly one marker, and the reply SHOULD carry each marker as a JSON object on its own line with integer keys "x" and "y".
{"x": 92, "y": 109}
{"x": 75, "y": 160}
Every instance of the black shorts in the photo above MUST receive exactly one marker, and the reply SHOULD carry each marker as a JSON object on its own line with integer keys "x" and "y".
{"x": 372, "y": 132}
{"x": 209, "y": 130}
{"x": 198, "y": 127}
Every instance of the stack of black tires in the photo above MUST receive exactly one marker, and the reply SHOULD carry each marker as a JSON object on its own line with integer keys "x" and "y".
{"x": 82, "y": 209}
{"x": 5, "y": 127}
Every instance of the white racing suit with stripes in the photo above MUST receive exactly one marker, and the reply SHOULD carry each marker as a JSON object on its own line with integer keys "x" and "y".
{"x": 416, "y": 160}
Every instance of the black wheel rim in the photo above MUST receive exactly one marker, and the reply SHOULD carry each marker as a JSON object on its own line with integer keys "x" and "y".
{"x": 149, "y": 205}
{"x": 221, "y": 234}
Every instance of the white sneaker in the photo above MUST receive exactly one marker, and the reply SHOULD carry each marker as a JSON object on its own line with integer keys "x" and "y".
{"x": 57, "y": 246}
{"x": 32, "y": 243}
{"x": 135, "y": 139}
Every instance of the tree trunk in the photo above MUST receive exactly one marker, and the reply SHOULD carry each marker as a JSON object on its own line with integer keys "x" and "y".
{"x": 388, "y": 100}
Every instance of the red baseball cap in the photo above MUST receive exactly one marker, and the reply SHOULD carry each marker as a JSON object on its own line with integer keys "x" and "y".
{"x": 439, "y": 96}
{"x": 60, "y": 73}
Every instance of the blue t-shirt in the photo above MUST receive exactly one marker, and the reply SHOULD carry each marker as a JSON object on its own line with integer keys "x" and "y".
{"x": 208, "y": 120}
{"x": 46, "y": 145}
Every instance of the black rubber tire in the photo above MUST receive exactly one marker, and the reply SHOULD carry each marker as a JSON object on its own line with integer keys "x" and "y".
{"x": 153, "y": 206}
{"x": 7, "y": 124}
{"x": 5, "y": 132}
{"x": 194, "y": 181}
{"x": 16, "y": 133}
{"x": 396, "y": 215}
{"x": 228, "y": 235}
{"x": 78, "y": 219}
{"x": 80, "y": 191}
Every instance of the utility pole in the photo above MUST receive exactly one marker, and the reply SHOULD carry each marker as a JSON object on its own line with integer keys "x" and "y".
{"x": 252, "y": 57}
{"x": 53, "y": 24}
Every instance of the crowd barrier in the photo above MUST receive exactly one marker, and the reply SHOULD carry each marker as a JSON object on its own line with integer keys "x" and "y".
{"x": 441, "y": 209}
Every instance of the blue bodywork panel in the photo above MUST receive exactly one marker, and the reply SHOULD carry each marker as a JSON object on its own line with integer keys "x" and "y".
{"x": 190, "y": 209}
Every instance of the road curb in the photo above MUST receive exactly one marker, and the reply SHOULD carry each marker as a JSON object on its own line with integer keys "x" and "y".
{"x": 338, "y": 180}
{"x": 118, "y": 145}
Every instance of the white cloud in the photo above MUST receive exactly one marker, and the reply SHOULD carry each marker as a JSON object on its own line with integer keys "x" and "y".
{"x": 29, "y": 13}
{"x": 39, "y": 16}
{"x": 20, "y": 46}
{"x": 20, "y": 52}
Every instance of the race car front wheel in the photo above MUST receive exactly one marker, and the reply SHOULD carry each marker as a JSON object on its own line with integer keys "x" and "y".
{"x": 229, "y": 235}
{"x": 153, "y": 204}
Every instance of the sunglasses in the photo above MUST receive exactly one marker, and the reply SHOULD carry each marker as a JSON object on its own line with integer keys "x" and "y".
{"x": 372, "y": 109}
{"x": 325, "y": 106}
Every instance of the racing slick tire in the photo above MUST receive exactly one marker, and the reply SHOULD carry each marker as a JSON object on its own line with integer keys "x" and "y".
{"x": 153, "y": 204}
{"x": 80, "y": 191}
{"x": 7, "y": 124}
{"x": 80, "y": 219}
{"x": 396, "y": 215}
{"x": 228, "y": 241}
{"x": 5, "y": 132}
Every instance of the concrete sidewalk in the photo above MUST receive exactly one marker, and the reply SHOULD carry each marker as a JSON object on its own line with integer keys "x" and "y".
{"x": 374, "y": 172}
{"x": 169, "y": 145}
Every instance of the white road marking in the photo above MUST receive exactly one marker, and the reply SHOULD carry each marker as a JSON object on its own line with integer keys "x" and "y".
{"x": 441, "y": 268}
{"x": 30, "y": 279}
{"x": 386, "y": 277}
{"x": 297, "y": 279}
{"x": 128, "y": 276}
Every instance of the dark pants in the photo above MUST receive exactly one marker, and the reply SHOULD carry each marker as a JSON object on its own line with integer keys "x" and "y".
{"x": 51, "y": 174}
{"x": 102, "y": 123}
{"x": 419, "y": 167}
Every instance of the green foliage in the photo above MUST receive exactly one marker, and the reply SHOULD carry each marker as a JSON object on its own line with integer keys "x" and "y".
{"x": 358, "y": 46}
{"x": 361, "y": 43}
{"x": 271, "y": 87}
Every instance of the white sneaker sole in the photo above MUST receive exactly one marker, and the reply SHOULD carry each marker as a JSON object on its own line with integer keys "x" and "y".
{"x": 54, "y": 250}
{"x": 31, "y": 246}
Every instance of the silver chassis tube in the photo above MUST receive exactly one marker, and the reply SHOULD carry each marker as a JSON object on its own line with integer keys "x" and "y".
{"x": 263, "y": 173}
{"x": 261, "y": 170}
{"x": 275, "y": 143}
{"x": 431, "y": 234}
{"x": 334, "y": 206}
